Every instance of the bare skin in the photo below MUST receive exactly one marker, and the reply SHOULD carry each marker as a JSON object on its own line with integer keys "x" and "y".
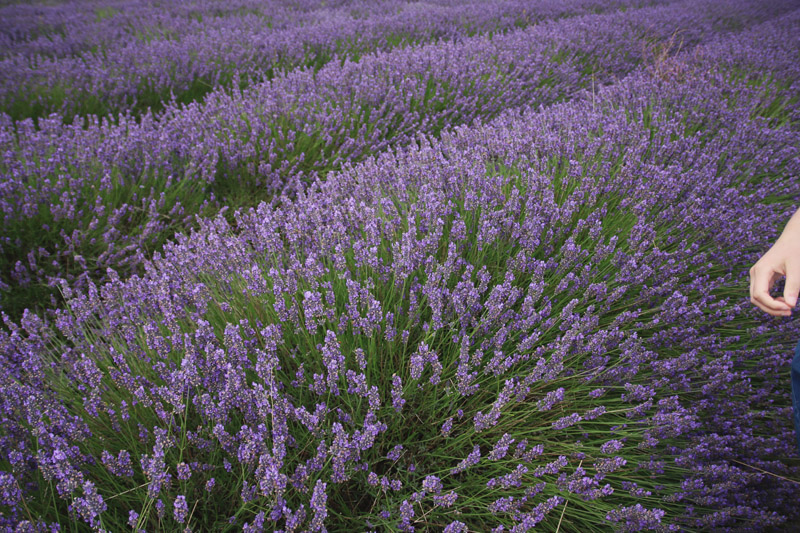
{"x": 783, "y": 259}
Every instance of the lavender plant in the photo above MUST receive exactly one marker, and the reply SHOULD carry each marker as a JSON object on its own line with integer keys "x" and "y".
{"x": 184, "y": 56}
{"x": 72, "y": 191}
{"x": 537, "y": 322}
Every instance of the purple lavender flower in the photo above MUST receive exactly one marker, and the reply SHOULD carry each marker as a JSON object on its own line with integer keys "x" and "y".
{"x": 455, "y": 527}
{"x": 567, "y": 421}
{"x": 319, "y": 505}
{"x": 417, "y": 362}
{"x": 161, "y": 509}
{"x": 501, "y": 447}
{"x": 512, "y": 479}
{"x": 504, "y": 505}
{"x": 447, "y": 499}
{"x": 120, "y": 465}
{"x": 334, "y": 361}
{"x": 552, "y": 398}
{"x": 432, "y": 484}
{"x": 296, "y": 519}
{"x": 611, "y": 446}
{"x": 593, "y": 413}
{"x": 636, "y": 517}
{"x": 181, "y": 509}
{"x": 470, "y": 460}
{"x": 397, "y": 393}
{"x": 133, "y": 518}
{"x": 90, "y": 505}
{"x": 406, "y": 515}
{"x": 184, "y": 472}
{"x": 447, "y": 427}
{"x": 395, "y": 453}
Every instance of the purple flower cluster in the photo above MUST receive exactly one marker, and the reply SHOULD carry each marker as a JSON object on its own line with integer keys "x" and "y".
{"x": 181, "y": 509}
{"x": 501, "y": 447}
{"x": 406, "y": 515}
{"x": 432, "y": 484}
{"x": 319, "y": 507}
{"x": 470, "y": 460}
{"x": 596, "y": 247}
{"x": 637, "y": 518}
{"x": 552, "y": 398}
{"x": 397, "y": 393}
{"x": 456, "y": 527}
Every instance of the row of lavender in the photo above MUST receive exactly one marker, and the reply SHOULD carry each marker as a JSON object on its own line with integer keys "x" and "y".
{"x": 76, "y": 201}
{"x": 542, "y": 319}
{"x": 45, "y": 48}
{"x": 71, "y": 28}
{"x": 112, "y": 70}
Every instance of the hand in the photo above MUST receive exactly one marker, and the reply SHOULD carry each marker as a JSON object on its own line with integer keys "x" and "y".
{"x": 783, "y": 259}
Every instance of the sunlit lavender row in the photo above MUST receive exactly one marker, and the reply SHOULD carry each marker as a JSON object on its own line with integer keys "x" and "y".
{"x": 78, "y": 200}
{"x": 538, "y": 322}
{"x": 150, "y": 54}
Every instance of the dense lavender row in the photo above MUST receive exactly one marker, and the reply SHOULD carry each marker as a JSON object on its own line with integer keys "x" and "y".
{"x": 69, "y": 28}
{"x": 76, "y": 200}
{"x": 541, "y": 319}
{"x": 53, "y": 53}
{"x": 187, "y": 59}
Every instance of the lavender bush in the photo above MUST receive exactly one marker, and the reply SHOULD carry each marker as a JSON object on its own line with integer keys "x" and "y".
{"x": 91, "y": 70}
{"x": 70, "y": 28}
{"x": 537, "y": 322}
{"x": 78, "y": 200}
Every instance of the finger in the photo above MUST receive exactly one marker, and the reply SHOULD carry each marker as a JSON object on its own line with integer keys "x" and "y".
{"x": 757, "y": 284}
{"x": 791, "y": 289}
{"x": 760, "y": 284}
{"x": 781, "y": 299}
{"x": 755, "y": 275}
{"x": 774, "y": 307}
{"x": 770, "y": 311}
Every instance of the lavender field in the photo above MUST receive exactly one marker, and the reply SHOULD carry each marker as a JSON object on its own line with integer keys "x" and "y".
{"x": 395, "y": 265}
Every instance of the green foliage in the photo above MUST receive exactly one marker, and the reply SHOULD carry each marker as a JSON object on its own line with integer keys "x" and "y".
{"x": 103, "y": 13}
